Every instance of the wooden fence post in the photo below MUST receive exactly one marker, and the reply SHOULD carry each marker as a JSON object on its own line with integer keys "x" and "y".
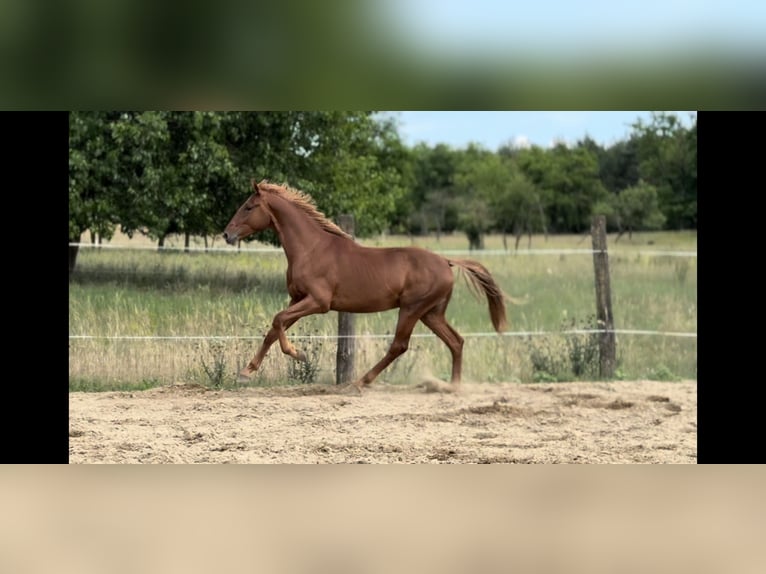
{"x": 607, "y": 346}
{"x": 344, "y": 359}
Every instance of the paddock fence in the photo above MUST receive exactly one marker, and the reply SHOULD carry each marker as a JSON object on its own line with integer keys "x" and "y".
{"x": 360, "y": 352}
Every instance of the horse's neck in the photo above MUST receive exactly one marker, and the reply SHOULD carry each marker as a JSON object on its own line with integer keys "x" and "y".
{"x": 298, "y": 232}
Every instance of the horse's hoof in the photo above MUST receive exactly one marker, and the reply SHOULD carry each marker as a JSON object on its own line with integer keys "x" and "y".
{"x": 242, "y": 379}
{"x": 301, "y": 356}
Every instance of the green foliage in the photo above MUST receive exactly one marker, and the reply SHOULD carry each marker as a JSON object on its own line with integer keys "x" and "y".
{"x": 161, "y": 173}
{"x": 215, "y": 367}
{"x": 569, "y": 356}
{"x": 518, "y": 207}
{"x": 548, "y": 360}
{"x": 431, "y": 204}
{"x": 570, "y": 182}
{"x": 668, "y": 161}
{"x": 481, "y": 176}
{"x": 93, "y": 161}
{"x": 662, "y": 373}
{"x": 306, "y": 372}
{"x": 634, "y": 208}
{"x": 583, "y": 348}
{"x": 619, "y": 165}
{"x": 150, "y": 172}
{"x": 87, "y": 385}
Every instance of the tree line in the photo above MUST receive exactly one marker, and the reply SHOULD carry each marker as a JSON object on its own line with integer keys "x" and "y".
{"x": 162, "y": 173}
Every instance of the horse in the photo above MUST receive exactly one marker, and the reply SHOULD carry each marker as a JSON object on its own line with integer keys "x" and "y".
{"x": 327, "y": 270}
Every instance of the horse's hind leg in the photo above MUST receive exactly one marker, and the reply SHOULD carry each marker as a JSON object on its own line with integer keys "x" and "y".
{"x": 406, "y": 323}
{"x": 436, "y": 321}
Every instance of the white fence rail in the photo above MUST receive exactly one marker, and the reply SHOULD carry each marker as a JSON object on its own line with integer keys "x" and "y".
{"x": 489, "y": 252}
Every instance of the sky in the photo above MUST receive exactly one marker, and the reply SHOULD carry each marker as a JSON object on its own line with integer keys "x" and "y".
{"x": 492, "y": 129}
{"x": 567, "y": 27}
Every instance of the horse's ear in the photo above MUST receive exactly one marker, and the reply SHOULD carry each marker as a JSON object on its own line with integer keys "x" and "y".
{"x": 256, "y": 189}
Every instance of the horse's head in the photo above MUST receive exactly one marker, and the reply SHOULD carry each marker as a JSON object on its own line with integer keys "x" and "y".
{"x": 251, "y": 217}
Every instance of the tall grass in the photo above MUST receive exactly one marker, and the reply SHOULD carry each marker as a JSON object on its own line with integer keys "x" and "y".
{"x": 117, "y": 293}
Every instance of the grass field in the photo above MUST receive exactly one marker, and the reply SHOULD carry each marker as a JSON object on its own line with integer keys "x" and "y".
{"x": 192, "y": 297}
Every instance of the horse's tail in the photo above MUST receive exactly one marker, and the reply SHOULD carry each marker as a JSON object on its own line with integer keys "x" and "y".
{"x": 480, "y": 280}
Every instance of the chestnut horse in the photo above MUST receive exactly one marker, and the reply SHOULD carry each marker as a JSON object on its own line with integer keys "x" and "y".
{"x": 327, "y": 270}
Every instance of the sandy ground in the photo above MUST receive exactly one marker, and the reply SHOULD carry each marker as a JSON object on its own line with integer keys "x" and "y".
{"x": 615, "y": 422}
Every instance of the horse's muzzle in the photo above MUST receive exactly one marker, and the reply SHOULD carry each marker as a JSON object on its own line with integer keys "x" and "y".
{"x": 230, "y": 239}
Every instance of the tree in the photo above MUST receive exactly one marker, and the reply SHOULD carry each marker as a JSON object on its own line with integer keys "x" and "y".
{"x": 474, "y": 220}
{"x": 518, "y": 207}
{"x": 637, "y": 207}
{"x": 576, "y": 186}
{"x": 619, "y": 165}
{"x": 175, "y": 172}
{"x": 159, "y": 173}
{"x": 668, "y": 160}
{"x": 568, "y": 182}
{"x": 148, "y": 198}
{"x": 347, "y": 161}
{"x": 354, "y": 167}
{"x": 491, "y": 192}
{"x": 433, "y": 189}
{"x": 634, "y": 208}
{"x": 480, "y": 176}
{"x": 92, "y": 167}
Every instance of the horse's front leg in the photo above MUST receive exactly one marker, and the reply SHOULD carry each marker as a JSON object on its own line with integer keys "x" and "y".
{"x": 282, "y": 321}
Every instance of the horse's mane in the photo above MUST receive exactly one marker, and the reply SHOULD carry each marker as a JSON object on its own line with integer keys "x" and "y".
{"x": 305, "y": 203}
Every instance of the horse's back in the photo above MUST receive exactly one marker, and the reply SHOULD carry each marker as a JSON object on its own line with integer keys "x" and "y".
{"x": 407, "y": 263}
{"x": 381, "y": 278}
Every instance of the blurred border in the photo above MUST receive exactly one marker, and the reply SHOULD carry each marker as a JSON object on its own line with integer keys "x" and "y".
{"x": 357, "y": 519}
{"x": 344, "y": 55}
